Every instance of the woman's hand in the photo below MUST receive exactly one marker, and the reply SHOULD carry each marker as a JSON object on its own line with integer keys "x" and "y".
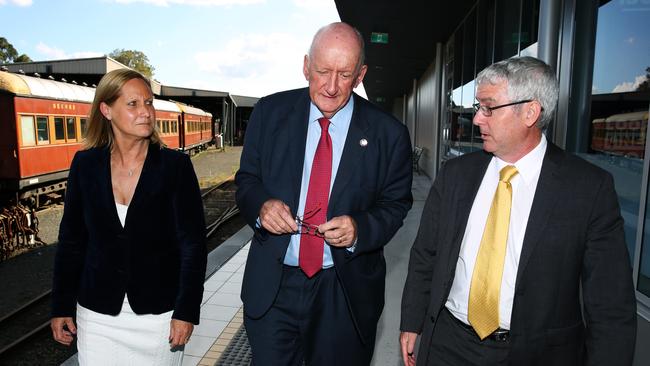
{"x": 59, "y": 331}
{"x": 179, "y": 332}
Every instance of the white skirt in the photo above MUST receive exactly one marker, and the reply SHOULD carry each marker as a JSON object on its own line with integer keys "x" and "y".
{"x": 125, "y": 339}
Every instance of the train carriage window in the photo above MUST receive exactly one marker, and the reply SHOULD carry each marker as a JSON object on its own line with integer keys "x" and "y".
{"x": 59, "y": 129}
{"x": 42, "y": 130}
{"x": 83, "y": 126}
{"x": 71, "y": 128}
{"x": 27, "y": 130}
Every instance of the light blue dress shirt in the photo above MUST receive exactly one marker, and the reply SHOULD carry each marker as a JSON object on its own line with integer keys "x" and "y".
{"x": 338, "y": 130}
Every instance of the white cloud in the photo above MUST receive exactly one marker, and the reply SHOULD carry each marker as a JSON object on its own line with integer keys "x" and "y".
{"x": 17, "y": 2}
{"x": 193, "y": 2}
{"x": 255, "y": 64}
{"x": 629, "y": 85}
{"x": 630, "y": 40}
{"x": 314, "y": 4}
{"x": 53, "y": 53}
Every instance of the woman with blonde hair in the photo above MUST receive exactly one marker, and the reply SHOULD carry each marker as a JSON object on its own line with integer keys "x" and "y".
{"x": 131, "y": 256}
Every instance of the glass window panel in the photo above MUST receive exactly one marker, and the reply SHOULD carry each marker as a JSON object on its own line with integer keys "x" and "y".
{"x": 619, "y": 115}
{"x": 71, "y": 128}
{"x": 529, "y": 25}
{"x": 59, "y": 128}
{"x": 506, "y": 42}
{"x": 485, "y": 35}
{"x": 27, "y": 130}
{"x": 83, "y": 126}
{"x": 42, "y": 130}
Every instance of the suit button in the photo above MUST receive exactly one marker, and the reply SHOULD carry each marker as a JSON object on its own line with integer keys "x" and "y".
{"x": 433, "y": 319}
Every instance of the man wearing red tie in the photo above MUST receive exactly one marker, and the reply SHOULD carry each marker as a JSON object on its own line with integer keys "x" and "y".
{"x": 325, "y": 181}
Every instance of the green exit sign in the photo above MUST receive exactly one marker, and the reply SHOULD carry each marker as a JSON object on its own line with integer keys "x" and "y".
{"x": 376, "y": 37}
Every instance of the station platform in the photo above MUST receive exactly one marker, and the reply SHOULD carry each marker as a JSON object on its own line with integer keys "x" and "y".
{"x": 219, "y": 339}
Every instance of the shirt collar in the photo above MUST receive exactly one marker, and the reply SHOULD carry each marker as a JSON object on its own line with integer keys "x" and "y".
{"x": 530, "y": 165}
{"x": 340, "y": 118}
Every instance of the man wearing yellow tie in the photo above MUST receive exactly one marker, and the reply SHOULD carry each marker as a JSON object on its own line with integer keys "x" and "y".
{"x": 520, "y": 258}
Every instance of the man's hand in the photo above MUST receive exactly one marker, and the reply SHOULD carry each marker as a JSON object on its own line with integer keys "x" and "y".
{"x": 407, "y": 343}
{"x": 340, "y": 231}
{"x": 276, "y": 218}
{"x": 60, "y": 334}
{"x": 179, "y": 332}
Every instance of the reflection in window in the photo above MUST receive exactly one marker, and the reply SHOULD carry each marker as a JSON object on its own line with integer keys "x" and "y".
{"x": 529, "y": 25}
{"x": 83, "y": 126}
{"x": 27, "y": 130}
{"x": 619, "y": 114}
{"x": 59, "y": 128}
{"x": 507, "y": 35}
{"x": 71, "y": 128}
{"x": 42, "y": 130}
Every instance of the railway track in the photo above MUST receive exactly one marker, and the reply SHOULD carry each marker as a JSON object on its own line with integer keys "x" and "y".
{"x": 219, "y": 204}
{"x": 24, "y": 325}
{"x": 25, "y": 322}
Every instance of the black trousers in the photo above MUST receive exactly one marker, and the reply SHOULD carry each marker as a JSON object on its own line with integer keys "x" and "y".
{"x": 452, "y": 345}
{"x": 309, "y": 322}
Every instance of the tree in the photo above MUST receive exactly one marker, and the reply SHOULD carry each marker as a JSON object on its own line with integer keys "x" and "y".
{"x": 645, "y": 85}
{"x": 23, "y": 58}
{"x": 133, "y": 59}
{"x": 7, "y": 51}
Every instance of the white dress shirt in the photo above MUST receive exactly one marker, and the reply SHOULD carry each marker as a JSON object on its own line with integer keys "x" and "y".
{"x": 524, "y": 185}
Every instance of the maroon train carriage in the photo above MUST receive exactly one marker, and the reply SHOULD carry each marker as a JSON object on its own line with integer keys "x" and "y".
{"x": 621, "y": 134}
{"x": 197, "y": 125}
{"x": 43, "y": 122}
{"x": 168, "y": 122}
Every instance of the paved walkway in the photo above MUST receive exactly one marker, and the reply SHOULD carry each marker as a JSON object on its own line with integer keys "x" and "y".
{"x": 221, "y": 311}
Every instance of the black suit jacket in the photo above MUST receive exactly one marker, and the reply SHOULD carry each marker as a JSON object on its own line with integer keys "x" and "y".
{"x": 372, "y": 185}
{"x": 158, "y": 259}
{"x": 574, "y": 240}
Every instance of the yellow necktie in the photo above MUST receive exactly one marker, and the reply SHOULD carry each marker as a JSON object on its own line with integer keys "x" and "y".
{"x": 483, "y": 307}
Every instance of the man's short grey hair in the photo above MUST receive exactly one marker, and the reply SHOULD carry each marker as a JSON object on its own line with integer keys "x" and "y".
{"x": 526, "y": 78}
{"x": 362, "y": 46}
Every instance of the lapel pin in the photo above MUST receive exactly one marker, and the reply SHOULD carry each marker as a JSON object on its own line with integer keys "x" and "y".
{"x": 363, "y": 142}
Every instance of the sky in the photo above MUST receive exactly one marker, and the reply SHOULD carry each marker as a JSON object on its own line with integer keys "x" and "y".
{"x": 245, "y": 47}
{"x": 622, "y": 46}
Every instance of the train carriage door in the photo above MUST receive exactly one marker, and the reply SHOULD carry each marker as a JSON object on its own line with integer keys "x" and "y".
{"x": 181, "y": 132}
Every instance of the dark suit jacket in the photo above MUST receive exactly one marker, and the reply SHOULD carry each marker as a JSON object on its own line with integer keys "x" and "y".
{"x": 574, "y": 239}
{"x": 158, "y": 259}
{"x": 373, "y": 186}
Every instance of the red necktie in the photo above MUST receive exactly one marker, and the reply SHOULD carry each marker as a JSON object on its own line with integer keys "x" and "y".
{"x": 311, "y": 246}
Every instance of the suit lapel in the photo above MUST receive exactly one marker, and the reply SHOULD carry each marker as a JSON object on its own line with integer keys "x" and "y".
{"x": 543, "y": 203}
{"x": 297, "y": 124}
{"x": 352, "y": 152}
{"x": 150, "y": 177}
{"x": 106, "y": 187}
{"x": 468, "y": 188}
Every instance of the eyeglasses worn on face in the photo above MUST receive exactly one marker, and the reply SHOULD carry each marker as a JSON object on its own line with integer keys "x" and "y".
{"x": 487, "y": 111}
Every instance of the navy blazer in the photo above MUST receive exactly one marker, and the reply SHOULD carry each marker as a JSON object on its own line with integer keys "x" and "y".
{"x": 158, "y": 259}
{"x": 574, "y": 298}
{"x": 372, "y": 185}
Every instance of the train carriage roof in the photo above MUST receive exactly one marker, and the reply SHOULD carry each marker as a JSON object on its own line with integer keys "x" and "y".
{"x": 165, "y": 105}
{"x": 24, "y": 85}
{"x": 625, "y": 117}
{"x": 192, "y": 110}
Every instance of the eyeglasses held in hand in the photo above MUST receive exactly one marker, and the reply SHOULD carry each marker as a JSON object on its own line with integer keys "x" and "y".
{"x": 305, "y": 228}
